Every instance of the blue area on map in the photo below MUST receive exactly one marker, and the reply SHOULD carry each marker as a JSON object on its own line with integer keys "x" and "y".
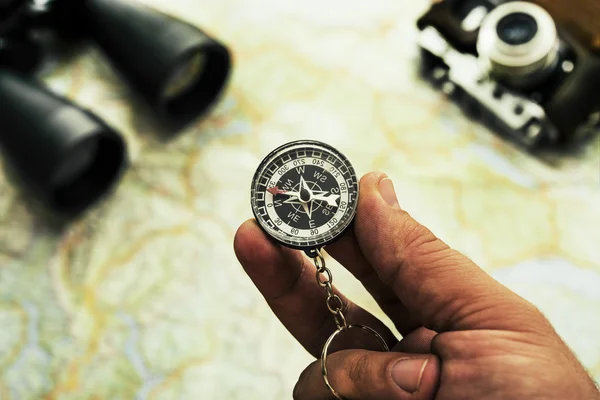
{"x": 31, "y": 349}
{"x": 131, "y": 350}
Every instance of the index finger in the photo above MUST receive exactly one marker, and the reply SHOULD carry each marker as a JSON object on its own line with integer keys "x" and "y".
{"x": 441, "y": 287}
{"x": 287, "y": 280}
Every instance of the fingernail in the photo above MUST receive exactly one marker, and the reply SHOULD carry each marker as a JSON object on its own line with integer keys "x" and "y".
{"x": 407, "y": 374}
{"x": 386, "y": 188}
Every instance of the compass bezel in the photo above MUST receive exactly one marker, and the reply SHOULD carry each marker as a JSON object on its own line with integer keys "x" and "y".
{"x": 333, "y": 233}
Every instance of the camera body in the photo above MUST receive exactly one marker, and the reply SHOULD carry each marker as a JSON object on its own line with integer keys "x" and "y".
{"x": 532, "y": 72}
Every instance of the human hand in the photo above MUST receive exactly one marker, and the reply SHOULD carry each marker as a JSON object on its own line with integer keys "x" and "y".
{"x": 465, "y": 336}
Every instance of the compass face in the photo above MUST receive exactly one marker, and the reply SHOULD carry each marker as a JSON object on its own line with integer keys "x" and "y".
{"x": 305, "y": 194}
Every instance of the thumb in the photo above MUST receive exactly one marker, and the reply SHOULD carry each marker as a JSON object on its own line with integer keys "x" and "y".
{"x": 361, "y": 374}
{"x": 441, "y": 288}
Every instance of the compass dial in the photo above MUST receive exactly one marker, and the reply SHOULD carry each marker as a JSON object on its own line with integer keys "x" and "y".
{"x": 305, "y": 194}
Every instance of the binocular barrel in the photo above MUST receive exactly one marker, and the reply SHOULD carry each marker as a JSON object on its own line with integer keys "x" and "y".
{"x": 67, "y": 156}
{"x": 176, "y": 67}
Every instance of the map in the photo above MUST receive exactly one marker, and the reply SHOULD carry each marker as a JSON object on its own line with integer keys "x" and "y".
{"x": 143, "y": 298}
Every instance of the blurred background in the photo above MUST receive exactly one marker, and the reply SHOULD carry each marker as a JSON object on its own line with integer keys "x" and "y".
{"x": 142, "y": 296}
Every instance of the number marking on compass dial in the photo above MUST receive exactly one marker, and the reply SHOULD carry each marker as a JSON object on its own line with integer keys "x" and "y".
{"x": 304, "y": 194}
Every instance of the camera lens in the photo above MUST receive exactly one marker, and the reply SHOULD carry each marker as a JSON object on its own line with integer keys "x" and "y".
{"x": 518, "y": 44}
{"x": 517, "y": 29}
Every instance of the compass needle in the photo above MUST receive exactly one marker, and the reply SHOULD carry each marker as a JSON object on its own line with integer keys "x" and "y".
{"x": 294, "y": 197}
{"x": 331, "y": 199}
{"x": 275, "y": 191}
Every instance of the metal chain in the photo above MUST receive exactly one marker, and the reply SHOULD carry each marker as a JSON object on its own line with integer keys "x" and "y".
{"x": 335, "y": 305}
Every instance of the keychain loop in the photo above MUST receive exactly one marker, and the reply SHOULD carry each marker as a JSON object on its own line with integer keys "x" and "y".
{"x": 326, "y": 274}
{"x": 335, "y": 305}
{"x": 340, "y": 320}
{"x": 325, "y": 351}
{"x": 319, "y": 261}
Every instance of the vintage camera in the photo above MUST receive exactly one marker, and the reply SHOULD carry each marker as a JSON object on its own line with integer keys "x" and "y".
{"x": 531, "y": 72}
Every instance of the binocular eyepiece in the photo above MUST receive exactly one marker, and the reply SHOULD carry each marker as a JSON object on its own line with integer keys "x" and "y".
{"x": 66, "y": 156}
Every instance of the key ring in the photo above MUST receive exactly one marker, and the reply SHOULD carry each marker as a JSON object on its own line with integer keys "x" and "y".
{"x": 335, "y": 306}
{"x": 325, "y": 351}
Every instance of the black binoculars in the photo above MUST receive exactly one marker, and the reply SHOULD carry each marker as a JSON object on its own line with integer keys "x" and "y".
{"x": 64, "y": 155}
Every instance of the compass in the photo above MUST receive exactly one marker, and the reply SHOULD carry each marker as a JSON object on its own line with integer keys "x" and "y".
{"x": 305, "y": 194}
